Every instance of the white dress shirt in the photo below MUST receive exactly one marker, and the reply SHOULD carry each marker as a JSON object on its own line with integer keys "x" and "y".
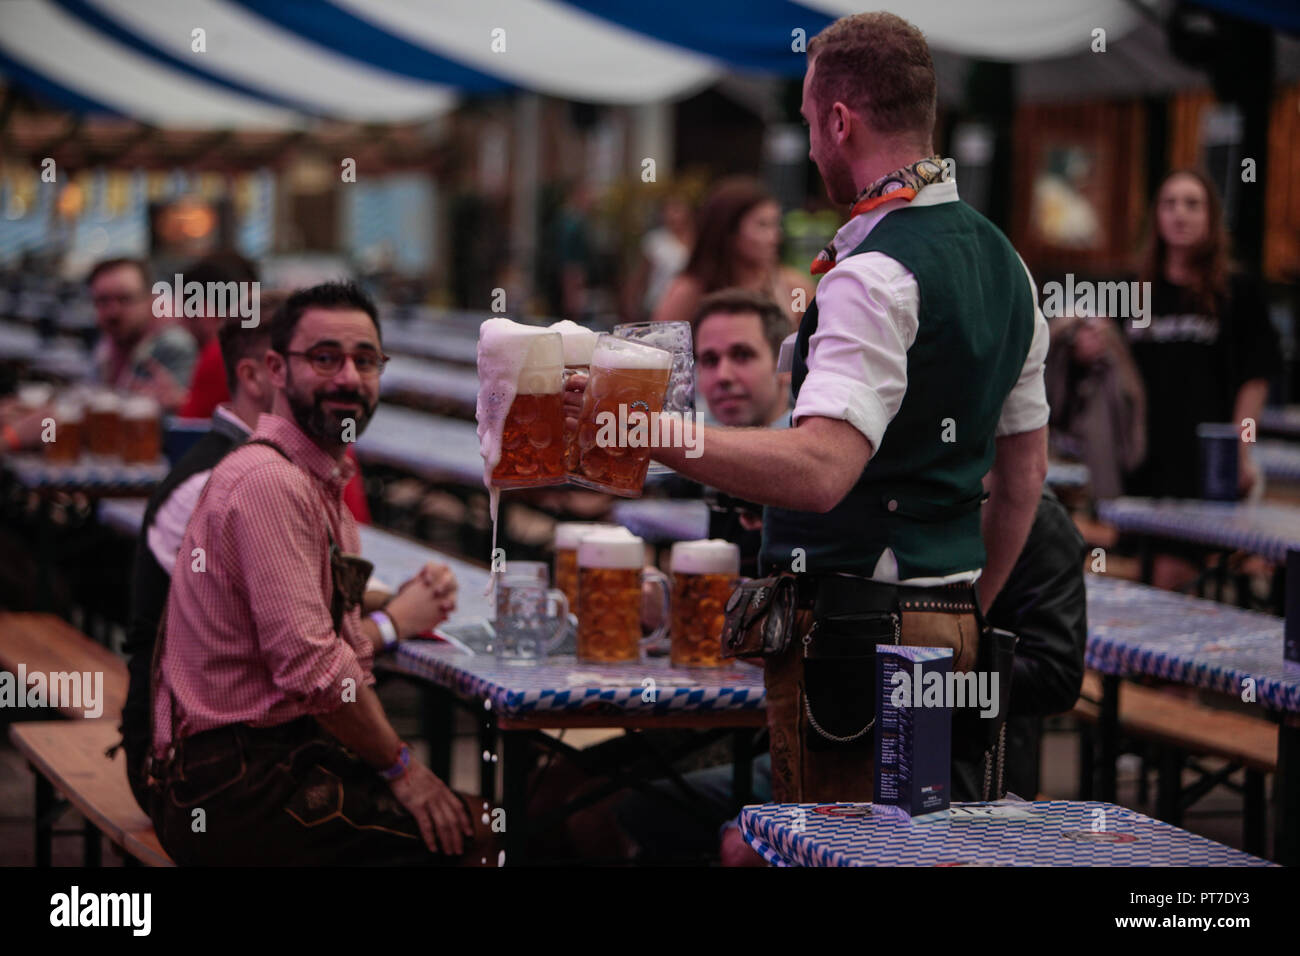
{"x": 868, "y": 313}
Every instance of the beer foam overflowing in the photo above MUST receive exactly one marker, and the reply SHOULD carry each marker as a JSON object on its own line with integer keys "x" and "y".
{"x": 624, "y": 353}
{"x": 711, "y": 556}
{"x": 615, "y": 548}
{"x": 569, "y": 533}
{"x": 579, "y": 342}
{"x": 513, "y": 359}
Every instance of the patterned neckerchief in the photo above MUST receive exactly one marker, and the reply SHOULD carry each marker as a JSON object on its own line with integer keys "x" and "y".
{"x": 902, "y": 183}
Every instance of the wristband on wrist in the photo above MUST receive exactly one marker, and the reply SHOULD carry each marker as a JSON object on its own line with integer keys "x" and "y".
{"x": 400, "y": 766}
{"x": 387, "y": 629}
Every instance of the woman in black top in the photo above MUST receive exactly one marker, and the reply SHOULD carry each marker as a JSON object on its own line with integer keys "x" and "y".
{"x": 1207, "y": 353}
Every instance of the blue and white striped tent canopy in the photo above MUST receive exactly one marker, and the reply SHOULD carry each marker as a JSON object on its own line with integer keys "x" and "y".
{"x": 283, "y": 63}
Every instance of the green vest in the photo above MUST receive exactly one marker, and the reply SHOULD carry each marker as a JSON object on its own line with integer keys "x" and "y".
{"x": 921, "y": 491}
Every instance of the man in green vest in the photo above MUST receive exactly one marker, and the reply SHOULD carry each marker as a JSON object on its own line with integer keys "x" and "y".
{"x": 918, "y": 450}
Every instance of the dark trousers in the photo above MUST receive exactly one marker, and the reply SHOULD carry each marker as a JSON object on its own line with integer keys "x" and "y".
{"x": 289, "y": 795}
{"x": 835, "y": 774}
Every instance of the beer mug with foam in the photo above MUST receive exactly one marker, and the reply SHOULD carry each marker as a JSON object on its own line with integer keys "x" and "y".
{"x": 521, "y": 404}
{"x": 567, "y": 536}
{"x": 620, "y": 407}
{"x": 69, "y": 423}
{"x": 704, "y": 574}
{"x": 141, "y": 429}
{"x": 104, "y": 423}
{"x": 610, "y": 572}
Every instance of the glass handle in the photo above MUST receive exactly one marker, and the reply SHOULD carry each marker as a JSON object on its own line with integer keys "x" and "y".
{"x": 562, "y": 619}
{"x": 654, "y": 574}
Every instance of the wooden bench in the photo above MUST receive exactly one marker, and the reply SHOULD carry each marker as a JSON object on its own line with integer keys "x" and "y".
{"x": 68, "y": 756}
{"x": 48, "y": 644}
{"x": 1179, "y": 728}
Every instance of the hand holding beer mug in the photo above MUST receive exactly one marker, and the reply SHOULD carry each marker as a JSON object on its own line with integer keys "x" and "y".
{"x": 620, "y": 406}
{"x": 674, "y": 337}
{"x": 520, "y": 416}
{"x": 610, "y": 571}
{"x": 704, "y": 575}
{"x": 579, "y": 344}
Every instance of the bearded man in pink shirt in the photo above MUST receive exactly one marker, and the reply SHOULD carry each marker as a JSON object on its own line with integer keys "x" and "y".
{"x": 264, "y": 715}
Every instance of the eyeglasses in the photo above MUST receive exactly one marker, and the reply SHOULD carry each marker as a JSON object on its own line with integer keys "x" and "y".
{"x": 111, "y": 298}
{"x": 327, "y": 360}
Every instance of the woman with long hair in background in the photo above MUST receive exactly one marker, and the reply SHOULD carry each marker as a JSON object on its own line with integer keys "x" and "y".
{"x": 1207, "y": 352}
{"x": 737, "y": 244}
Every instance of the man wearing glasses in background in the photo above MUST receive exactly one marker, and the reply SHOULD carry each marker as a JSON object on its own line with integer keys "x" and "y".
{"x": 264, "y": 716}
{"x": 138, "y": 351}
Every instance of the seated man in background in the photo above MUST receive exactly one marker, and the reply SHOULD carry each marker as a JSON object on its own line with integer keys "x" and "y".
{"x": 138, "y": 351}
{"x": 263, "y": 711}
{"x": 1043, "y": 602}
{"x": 738, "y": 335}
{"x": 209, "y": 386}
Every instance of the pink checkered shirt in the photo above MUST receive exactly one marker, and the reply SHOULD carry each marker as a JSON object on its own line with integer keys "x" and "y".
{"x": 250, "y": 638}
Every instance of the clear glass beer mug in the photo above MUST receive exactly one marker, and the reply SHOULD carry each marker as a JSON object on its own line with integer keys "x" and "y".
{"x": 620, "y": 406}
{"x": 610, "y": 573}
{"x": 531, "y": 617}
{"x": 674, "y": 337}
{"x": 704, "y": 573}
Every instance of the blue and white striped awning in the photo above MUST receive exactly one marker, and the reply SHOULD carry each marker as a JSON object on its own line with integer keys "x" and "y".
{"x": 283, "y": 63}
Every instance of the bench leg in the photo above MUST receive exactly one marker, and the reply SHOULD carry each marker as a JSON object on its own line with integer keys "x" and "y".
{"x": 1169, "y": 787}
{"x": 514, "y": 753}
{"x": 1108, "y": 730}
{"x": 44, "y": 820}
{"x": 1254, "y": 814}
{"x": 92, "y": 853}
{"x": 1087, "y": 762}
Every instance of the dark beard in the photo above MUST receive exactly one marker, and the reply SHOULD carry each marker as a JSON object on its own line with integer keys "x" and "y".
{"x": 324, "y": 426}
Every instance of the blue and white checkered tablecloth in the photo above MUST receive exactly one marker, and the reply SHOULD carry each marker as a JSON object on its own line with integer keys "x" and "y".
{"x": 662, "y": 521}
{"x": 1279, "y": 460}
{"x": 1060, "y": 833}
{"x": 433, "y": 381}
{"x": 1135, "y": 629}
{"x": 396, "y": 559}
{"x": 565, "y": 684}
{"x": 1284, "y": 420}
{"x": 88, "y": 475}
{"x": 1266, "y": 529}
{"x": 1067, "y": 474}
{"x": 429, "y": 341}
{"x": 427, "y": 445}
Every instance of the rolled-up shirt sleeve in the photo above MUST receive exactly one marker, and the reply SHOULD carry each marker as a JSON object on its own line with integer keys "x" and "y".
{"x": 286, "y": 576}
{"x": 867, "y": 309}
{"x": 1025, "y": 408}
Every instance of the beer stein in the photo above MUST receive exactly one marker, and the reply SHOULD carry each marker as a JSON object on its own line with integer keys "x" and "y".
{"x": 610, "y": 572}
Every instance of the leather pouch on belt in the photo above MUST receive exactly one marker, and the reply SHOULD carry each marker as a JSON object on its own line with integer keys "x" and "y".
{"x": 759, "y": 617}
{"x": 839, "y": 678}
{"x": 974, "y": 735}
